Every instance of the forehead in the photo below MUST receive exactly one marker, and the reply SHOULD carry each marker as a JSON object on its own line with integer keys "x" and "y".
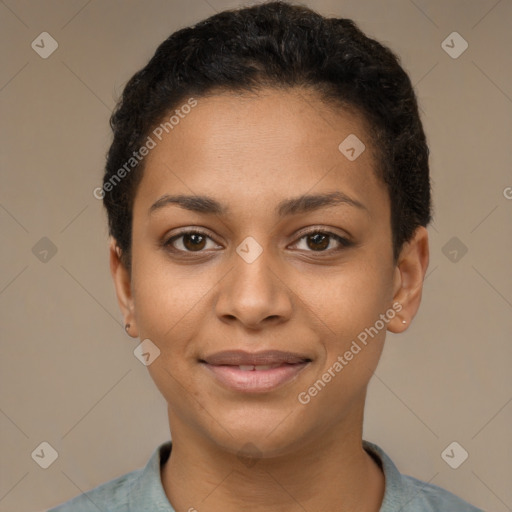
{"x": 245, "y": 147}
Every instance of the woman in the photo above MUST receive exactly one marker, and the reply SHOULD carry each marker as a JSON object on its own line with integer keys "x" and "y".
{"x": 268, "y": 193}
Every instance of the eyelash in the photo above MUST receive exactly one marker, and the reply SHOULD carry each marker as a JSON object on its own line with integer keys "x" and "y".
{"x": 344, "y": 242}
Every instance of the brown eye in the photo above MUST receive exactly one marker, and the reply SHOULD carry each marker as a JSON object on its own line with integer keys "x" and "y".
{"x": 188, "y": 241}
{"x": 317, "y": 241}
{"x": 194, "y": 241}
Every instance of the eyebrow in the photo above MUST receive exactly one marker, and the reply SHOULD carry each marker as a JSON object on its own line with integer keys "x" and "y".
{"x": 294, "y": 206}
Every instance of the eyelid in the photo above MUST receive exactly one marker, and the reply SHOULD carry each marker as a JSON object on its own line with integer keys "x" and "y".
{"x": 344, "y": 241}
{"x": 167, "y": 242}
{"x": 322, "y": 230}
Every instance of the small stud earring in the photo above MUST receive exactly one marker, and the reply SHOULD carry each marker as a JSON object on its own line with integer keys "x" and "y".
{"x": 126, "y": 327}
{"x": 404, "y": 321}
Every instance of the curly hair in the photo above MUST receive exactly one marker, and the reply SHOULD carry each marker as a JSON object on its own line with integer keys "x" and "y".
{"x": 276, "y": 45}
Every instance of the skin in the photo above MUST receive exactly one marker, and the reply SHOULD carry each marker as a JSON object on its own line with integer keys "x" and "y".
{"x": 249, "y": 152}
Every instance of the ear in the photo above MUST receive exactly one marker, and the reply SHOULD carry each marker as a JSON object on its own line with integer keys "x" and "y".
{"x": 410, "y": 272}
{"x": 122, "y": 284}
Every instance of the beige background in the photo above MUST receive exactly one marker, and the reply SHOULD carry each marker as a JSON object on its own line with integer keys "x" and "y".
{"x": 68, "y": 373}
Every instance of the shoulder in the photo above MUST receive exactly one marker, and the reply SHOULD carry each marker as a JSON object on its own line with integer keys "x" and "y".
{"x": 137, "y": 491}
{"x": 425, "y": 497}
{"x": 112, "y": 496}
{"x": 408, "y": 494}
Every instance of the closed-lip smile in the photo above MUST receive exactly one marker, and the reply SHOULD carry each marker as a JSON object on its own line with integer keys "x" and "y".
{"x": 254, "y": 372}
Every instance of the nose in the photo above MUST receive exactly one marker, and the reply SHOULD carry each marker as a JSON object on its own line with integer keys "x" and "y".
{"x": 254, "y": 294}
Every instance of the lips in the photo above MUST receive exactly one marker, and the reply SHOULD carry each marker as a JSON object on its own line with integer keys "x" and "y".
{"x": 266, "y": 358}
{"x": 257, "y": 367}
{"x": 254, "y": 372}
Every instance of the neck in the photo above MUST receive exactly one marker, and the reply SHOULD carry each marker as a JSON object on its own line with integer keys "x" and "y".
{"x": 331, "y": 473}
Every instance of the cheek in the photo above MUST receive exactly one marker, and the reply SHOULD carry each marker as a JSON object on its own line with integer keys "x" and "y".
{"x": 348, "y": 298}
{"x": 350, "y": 304}
{"x": 167, "y": 297}
{"x": 167, "y": 311}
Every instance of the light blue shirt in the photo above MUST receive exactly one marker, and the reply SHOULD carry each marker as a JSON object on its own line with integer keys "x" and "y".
{"x": 142, "y": 490}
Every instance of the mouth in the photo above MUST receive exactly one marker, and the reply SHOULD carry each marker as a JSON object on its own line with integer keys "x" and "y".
{"x": 254, "y": 372}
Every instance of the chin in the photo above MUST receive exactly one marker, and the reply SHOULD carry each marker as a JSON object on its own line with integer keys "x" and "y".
{"x": 260, "y": 438}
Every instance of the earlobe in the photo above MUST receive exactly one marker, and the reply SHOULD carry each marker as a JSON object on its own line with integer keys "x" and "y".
{"x": 122, "y": 284}
{"x": 410, "y": 272}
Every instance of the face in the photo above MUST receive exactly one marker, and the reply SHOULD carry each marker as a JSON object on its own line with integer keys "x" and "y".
{"x": 287, "y": 283}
